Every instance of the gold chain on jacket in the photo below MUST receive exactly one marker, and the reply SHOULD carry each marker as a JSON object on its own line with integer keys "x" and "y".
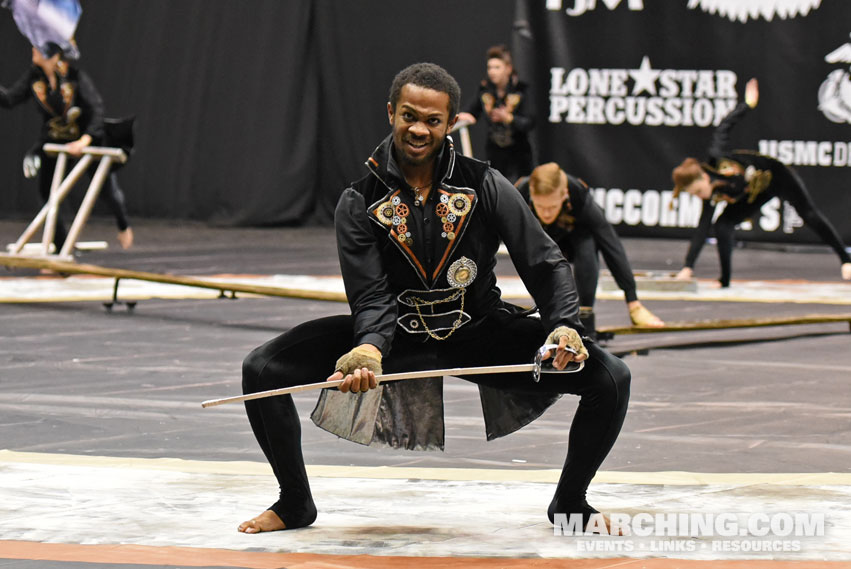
{"x": 418, "y": 302}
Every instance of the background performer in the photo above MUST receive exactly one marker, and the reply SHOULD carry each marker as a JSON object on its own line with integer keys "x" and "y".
{"x": 507, "y": 107}
{"x": 746, "y": 181}
{"x": 568, "y": 213}
{"x": 71, "y": 110}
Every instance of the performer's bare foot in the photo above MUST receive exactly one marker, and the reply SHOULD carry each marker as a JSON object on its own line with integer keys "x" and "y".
{"x": 685, "y": 274}
{"x": 595, "y": 522}
{"x": 125, "y": 238}
{"x": 267, "y": 521}
{"x": 846, "y": 271}
{"x": 602, "y": 524}
{"x": 640, "y": 316}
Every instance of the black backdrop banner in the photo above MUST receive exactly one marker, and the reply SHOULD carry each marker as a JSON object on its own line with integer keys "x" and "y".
{"x": 625, "y": 89}
{"x": 256, "y": 112}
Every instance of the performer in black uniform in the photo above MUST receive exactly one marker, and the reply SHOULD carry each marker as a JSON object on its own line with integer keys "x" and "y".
{"x": 570, "y": 216}
{"x": 507, "y": 106}
{"x": 72, "y": 113}
{"x": 417, "y": 240}
{"x": 746, "y": 181}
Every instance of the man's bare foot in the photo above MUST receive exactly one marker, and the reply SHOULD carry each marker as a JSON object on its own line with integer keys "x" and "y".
{"x": 685, "y": 274}
{"x": 602, "y": 524}
{"x": 846, "y": 271}
{"x": 125, "y": 238}
{"x": 267, "y": 521}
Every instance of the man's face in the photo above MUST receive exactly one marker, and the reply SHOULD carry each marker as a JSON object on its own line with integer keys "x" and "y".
{"x": 547, "y": 207}
{"x": 499, "y": 71}
{"x": 420, "y": 123}
{"x": 46, "y": 63}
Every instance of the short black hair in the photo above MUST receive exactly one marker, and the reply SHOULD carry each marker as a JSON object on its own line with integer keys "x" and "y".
{"x": 50, "y": 49}
{"x": 430, "y": 76}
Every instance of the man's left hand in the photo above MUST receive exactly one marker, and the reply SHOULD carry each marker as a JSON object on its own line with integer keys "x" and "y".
{"x": 566, "y": 338}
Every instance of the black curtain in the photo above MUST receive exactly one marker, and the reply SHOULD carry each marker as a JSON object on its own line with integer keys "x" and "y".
{"x": 256, "y": 112}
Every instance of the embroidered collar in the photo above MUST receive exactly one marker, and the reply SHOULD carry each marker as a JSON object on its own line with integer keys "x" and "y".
{"x": 451, "y": 204}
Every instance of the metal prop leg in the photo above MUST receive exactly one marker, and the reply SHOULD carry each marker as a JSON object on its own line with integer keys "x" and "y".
{"x": 130, "y": 304}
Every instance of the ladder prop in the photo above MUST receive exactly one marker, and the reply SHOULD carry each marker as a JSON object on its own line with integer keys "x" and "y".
{"x": 59, "y": 190}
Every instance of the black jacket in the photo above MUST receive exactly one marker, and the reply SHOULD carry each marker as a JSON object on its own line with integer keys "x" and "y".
{"x": 74, "y": 89}
{"x": 518, "y": 101}
{"x": 390, "y": 254}
{"x": 377, "y": 265}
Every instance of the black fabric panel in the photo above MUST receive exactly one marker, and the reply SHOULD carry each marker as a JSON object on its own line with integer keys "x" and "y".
{"x": 255, "y": 112}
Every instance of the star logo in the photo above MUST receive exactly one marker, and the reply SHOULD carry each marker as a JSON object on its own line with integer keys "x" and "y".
{"x": 644, "y": 78}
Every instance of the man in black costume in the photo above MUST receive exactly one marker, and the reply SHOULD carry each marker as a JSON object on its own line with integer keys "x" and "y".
{"x": 568, "y": 213}
{"x": 417, "y": 239}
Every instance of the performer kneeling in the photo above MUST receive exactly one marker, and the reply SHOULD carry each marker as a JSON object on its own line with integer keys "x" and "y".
{"x": 417, "y": 240}
{"x": 567, "y": 212}
{"x": 746, "y": 181}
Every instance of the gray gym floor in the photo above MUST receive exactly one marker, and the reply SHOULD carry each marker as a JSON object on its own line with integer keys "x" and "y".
{"x": 77, "y": 379}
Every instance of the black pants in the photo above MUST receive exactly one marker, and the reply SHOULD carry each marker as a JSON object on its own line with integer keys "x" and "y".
{"x": 307, "y": 353}
{"x": 594, "y": 235}
{"x": 110, "y": 192}
{"x": 512, "y": 162}
{"x": 786, "y": 185}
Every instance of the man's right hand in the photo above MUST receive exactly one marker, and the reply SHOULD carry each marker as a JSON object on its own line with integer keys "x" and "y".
{"x": 466, "y": 117}
{"x": 358, "y": 369}
{"x": 360, "y": 380}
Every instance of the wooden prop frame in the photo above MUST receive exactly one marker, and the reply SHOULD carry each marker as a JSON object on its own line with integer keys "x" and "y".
{"x": 59, "y": 190}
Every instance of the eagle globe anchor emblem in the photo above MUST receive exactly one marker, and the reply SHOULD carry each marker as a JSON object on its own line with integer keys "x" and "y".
{"x": 834, "y": 95}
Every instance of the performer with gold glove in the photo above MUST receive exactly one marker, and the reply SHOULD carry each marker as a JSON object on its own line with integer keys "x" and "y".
{"x": 746, "y": 181}
{"x": 417, "y": 240}
{"x": 568, "y": 213}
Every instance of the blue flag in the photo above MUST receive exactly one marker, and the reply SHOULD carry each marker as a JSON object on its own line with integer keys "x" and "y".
{"x": 46, "y": 21}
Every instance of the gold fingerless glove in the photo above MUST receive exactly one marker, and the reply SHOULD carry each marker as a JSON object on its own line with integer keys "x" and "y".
{"x": 358, "y": 358}
{"x": 574, "y": 341}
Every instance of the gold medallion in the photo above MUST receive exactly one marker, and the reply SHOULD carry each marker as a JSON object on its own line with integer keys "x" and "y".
{"x": 460, "y": 204}
{"x": 385, "y": 213}
{"x": 461, "y": 273}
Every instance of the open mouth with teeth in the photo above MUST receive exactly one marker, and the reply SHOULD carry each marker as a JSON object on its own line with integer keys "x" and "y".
{"x": 417, "y": 146}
